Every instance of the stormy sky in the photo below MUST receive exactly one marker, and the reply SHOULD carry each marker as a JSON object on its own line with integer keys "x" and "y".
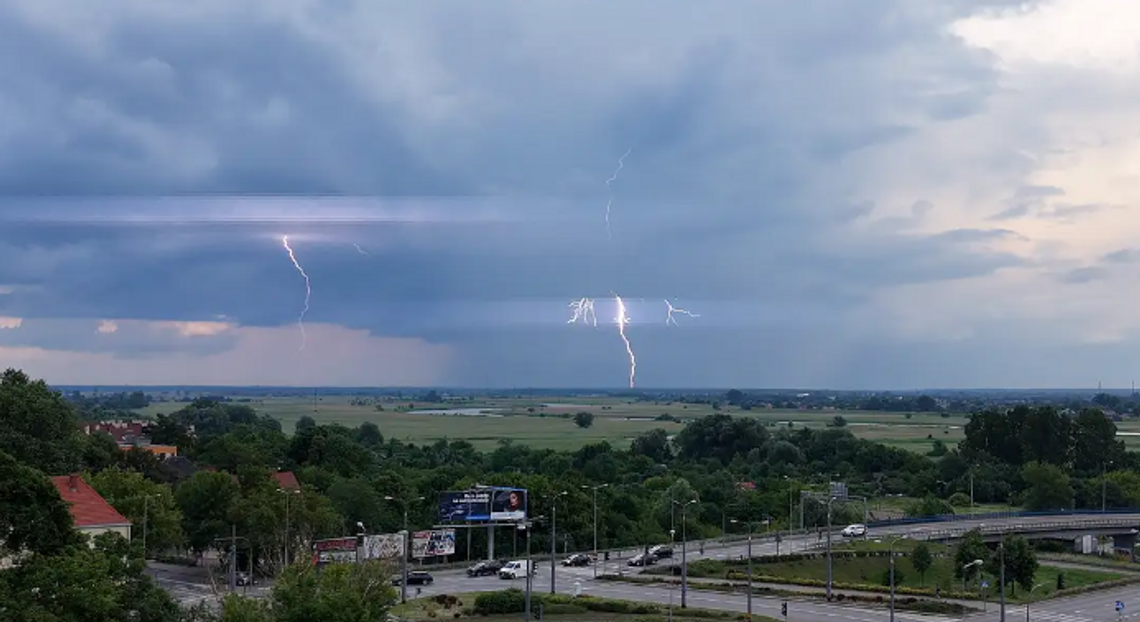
{"x": 889, "y": 194}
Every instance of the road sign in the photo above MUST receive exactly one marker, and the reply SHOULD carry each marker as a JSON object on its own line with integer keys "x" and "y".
{"x": 1119, "y": 605}
{"x": 985, "y": 584}
{"x": 784, "y": 609}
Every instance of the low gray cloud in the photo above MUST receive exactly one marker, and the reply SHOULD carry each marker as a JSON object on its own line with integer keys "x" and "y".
{"x": 465, "y": 149}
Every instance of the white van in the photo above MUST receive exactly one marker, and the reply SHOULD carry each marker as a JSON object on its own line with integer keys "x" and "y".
{"x": 516, "y": 569}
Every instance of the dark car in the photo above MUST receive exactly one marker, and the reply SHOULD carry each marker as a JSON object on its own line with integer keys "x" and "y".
{"x": 416, "y": 577}
{"x": 642, "y": 560}
{"x": 577, "y": 559}
{"x": 485, "y": 569}
{"x": 661, "y": 552}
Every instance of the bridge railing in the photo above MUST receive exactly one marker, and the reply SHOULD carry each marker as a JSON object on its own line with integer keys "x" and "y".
{"x": 1131, "y": 522}
{"x": 951, "y": 518}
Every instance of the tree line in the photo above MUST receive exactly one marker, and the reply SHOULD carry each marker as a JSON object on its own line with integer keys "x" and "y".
{"x": 734, "y": 467}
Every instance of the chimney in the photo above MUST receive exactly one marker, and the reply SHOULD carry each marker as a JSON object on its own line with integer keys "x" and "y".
{"x": 73, "y": 482}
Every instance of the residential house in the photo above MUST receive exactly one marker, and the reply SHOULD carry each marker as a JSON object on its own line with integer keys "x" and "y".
{"x": 92, "y": 514}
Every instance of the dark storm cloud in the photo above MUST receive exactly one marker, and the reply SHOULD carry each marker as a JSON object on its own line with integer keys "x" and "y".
{"x": 733, "y": 191}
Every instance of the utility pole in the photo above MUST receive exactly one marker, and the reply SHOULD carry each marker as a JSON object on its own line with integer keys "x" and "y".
{"x": 684, "y": 552}
{"x": 1001, "y": 561}
{"x": 749, "y": 588}
{"x": 233, "y": 558}
{"x": 554, "y": 538}
{"x": 596, "y": 489}
{"x": 146, "y": 520}
{"x": 405, "y": 541}
{"x": 524, "y": 526}
{"x": 829, "y": 501}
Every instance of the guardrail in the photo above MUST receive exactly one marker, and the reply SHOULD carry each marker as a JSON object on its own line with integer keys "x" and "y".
{"x": 996, "y": 516}
{"x": 1035, "y": 526}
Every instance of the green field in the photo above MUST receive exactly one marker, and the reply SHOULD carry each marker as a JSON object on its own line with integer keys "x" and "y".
{"x": 457, "y": 607}
{"x": 547, "y": 424}
{"x": 875, "y": 571}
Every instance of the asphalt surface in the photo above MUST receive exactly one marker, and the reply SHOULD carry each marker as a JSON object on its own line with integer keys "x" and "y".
{"x": 191, "y": 585}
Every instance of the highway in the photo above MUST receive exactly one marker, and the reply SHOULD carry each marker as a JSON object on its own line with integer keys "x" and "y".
{"x": 188, "y": 586}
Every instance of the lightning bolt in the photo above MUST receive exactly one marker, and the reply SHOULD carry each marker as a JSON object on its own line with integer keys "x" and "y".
{"x": 610, "y": 202}
{"x": 583, "y": 312}
{"x": 672, "y": 320}
{"x": 622, "y": 319}
{"x": 308, "y": 287}
{"x": 358, "y": 249}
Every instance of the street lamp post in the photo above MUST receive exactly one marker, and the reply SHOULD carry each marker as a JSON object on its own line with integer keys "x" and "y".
{"x": 285, "y": 551}
{"x": 976, "y": 562}
{"x": 891, "y": 550}
{"x": 749, "y": 587}
{"x": 672, "y": 540}
{"x": 1001, "y": 578}
{"x": 524, "y": 527}
{"x": 829, "y": 502}
{"x": 595, "y": 489}
{"x": 1027, "y": 601}
{"x": 684, "y": 557}
{"x": 146, "y": 521}
{"x": 554, "y": 537}
{"x": 406, "y": 543}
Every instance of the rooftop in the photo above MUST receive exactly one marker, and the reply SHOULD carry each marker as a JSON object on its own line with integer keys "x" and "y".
{"x": 88, "y": 508}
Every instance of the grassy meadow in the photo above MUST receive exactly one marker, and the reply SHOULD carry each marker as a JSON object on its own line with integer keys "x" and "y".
{"x": 548, "y": 423}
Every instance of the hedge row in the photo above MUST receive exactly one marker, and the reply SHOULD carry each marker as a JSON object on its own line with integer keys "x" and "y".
{"x": 512, "y": 601}
{"x": 775, "y": 559}
{"x": 902, "y": 601}
{"x": 733, "y": 575}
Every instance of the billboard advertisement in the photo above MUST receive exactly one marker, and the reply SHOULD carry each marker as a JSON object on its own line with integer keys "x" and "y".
{"x": 434, "y": 543}
{"x": 486, "y": 504}
{"x": 383, "y": 546}
{"x": 344, "y": 550}
{"x": 508, "y": 504}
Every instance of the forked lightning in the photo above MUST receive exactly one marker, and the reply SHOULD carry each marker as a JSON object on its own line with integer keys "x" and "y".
{"x": 622, "y": 319}
{"x": 669, "y": 319}
{"x": 583, "y": 312}
{"x": 610, "y": 202}
{"x": 308, "y": 287}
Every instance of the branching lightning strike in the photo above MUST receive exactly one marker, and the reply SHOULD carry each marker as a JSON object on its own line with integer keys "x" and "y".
{"x": 669, "y": 319}
{"x": 610, "y": 202}
{"x": 358, "y": 249}
{"x": 622, "y": 319}
{"x": 308, "y": 288}
{"x": 583, "y": 312}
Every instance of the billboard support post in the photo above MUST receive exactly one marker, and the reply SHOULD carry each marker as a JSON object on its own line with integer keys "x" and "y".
{"x": 490, "y": 542}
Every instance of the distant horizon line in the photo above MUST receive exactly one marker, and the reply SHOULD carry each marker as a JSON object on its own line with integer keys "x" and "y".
{"x": 615, "y": 389}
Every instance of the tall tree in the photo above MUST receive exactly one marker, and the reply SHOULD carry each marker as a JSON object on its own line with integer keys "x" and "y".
{"x": 38, "y": 427}
{"x": 1047, "y": 487}
{"x": 33, "y": 517}
{"x": 149, "y": 506}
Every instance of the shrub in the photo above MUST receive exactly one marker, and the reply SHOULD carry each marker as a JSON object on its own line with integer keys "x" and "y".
{"x": 502, "y": 602}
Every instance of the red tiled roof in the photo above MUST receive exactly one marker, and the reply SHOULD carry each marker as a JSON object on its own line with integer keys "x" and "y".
{"x": 287, "y": 480}
{"x": 88, "y": 508}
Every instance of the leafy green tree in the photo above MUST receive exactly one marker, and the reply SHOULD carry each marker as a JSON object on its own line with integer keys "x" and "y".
{"x": 929, "y": 506}
{"x": 921, "y": 560}
{"x": 584, "y": 419}
{"x": 205, "y": 500}
{"x": 653, "y": 444}
{"x": 33, "y": 517}
{"x": 1047, "y": 487}
{"x": 145, "y": 503}
{"x": 1020, "y": 562}
{"x": 84, "y": 584}
{"x": 38, "y": 427}
{"x": 970, "y": 548}
{"x": 338, "y": 593}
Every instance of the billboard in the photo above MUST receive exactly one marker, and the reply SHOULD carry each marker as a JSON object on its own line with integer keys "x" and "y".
{"x": 486, "y": 504}
{"x": 344, "y": 550}
{"x": 434, "y": 543}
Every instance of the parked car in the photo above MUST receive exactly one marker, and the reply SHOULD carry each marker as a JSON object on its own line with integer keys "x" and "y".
{"x": 577, "y": 559}
{"x": 661, "y": 552}
{"x": 416, "y": 577}
{"x": 854, "y": 531}
{"x": 516, "y": 569}
{"x": 642, "y": 559}
{"x": 485, "y": 568}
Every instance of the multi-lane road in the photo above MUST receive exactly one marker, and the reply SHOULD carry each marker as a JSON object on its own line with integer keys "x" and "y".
{"x": 187, "y": 586}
